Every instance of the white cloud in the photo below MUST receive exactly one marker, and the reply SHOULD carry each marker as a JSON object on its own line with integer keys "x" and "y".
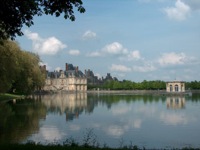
{"x": 131, "y": 55}
{"x": 48, "y": 46}
{"x": 147, "y": 67}
{"x": 134, "y": 55}
{"x": 120, "y": 68}
{"x": 32, "y": 36}
{"x": 58, "y": 68}
{"x": 89, "y": 35}
{"x": 114, "y": 48}
{"x": 180, "y": 12}
{"x": 74, "y": 52}
{"x": 172, "y": 59}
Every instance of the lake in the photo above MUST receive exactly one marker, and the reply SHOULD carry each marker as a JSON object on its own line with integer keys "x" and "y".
{"x": 114, "y": 120}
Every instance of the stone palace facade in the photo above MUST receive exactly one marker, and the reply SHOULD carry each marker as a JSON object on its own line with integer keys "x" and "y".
{"x": 70, "y": 80}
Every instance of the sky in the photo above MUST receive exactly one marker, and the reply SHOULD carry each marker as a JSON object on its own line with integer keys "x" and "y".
{"x": 130, "y": 39}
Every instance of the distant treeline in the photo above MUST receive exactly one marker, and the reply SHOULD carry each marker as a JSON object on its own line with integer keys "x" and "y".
{"x": 144, "y": 85}
{"x": 193, "y": 85}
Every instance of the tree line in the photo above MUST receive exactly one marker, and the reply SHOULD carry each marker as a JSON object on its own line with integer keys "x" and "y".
{"x": 144, "y": 85}
{"x": 20, "y": 71}
{"x": 130, "y": 85}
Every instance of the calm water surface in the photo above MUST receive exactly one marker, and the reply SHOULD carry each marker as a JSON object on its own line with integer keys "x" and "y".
{"x": 115, "y": 120}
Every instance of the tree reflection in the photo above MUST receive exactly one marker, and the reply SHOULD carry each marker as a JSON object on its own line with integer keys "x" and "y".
{"x": 110, "y": 99}
{"x": 19, "y": 120}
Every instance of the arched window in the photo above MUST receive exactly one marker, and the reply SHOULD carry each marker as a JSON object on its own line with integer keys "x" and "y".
{"x": 176, "y": 88}
{"x": 171, "y": 88}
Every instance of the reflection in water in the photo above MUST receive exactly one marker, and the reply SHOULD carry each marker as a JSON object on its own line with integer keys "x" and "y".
{"x": 146, "y": 120}
{"x": 71, "y": 104}
{"x": 19, "y": 119}
{"x": 175, "y": 102}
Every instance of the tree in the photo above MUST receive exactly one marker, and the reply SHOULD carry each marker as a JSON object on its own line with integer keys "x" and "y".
{"x": 9, "y": 64}
{"x": 16, "y": 13}
{"x": 30, "y": 76}
{"x": 19, "y": 70}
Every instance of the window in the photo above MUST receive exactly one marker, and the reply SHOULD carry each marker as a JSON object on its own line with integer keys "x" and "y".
{"x": 176, "y": 88}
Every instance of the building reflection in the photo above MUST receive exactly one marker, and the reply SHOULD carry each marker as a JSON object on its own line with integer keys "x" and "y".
{"x": 72, "y": 104}
{"x": 175, "y": 102}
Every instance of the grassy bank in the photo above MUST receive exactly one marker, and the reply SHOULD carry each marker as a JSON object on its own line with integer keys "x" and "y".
{"x": 71, "y": 147}
{"x": 7, "y": 96}
{"x": 55, "y": 147}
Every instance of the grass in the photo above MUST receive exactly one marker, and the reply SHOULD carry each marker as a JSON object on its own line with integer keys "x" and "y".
{"x": 32, "y": 146}
{"x": 7, "y": 96}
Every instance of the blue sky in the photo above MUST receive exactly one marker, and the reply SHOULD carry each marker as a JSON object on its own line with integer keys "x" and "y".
{"x": 131, "y": 39}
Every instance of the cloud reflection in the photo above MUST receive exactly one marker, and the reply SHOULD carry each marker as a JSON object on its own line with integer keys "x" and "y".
{"x": 74, "y": 127}
{"x": 51, "y": 133}
{"x": 174, "y": 118}
{"x": 115, "y": 130}
{"x": 137, "y": 123}
{"x": 121, "y": 110}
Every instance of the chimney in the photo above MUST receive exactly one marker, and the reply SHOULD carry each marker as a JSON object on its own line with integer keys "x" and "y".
{"x": 77, "y": 69}
{"x": 66, "y": 67}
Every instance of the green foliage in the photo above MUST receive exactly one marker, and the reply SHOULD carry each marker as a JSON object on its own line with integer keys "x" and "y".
{"x": 9, "y": 52}
{"x": 19, "y": 69}
{"x": 129, "y": 85}
{"x": 193, "y": 85}
{"x": 16, "y": 13}
{"x": 30, "y": 76}
{"x": 144, "y": 85}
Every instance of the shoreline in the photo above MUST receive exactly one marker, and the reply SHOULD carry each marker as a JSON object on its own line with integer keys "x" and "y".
{"x": 7, "y": 97}
{"x": 123, "y": 92}
{"x": 142, "y": 92}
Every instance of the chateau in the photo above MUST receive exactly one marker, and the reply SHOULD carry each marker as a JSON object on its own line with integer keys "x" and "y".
{"x": 71, "y": 80}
